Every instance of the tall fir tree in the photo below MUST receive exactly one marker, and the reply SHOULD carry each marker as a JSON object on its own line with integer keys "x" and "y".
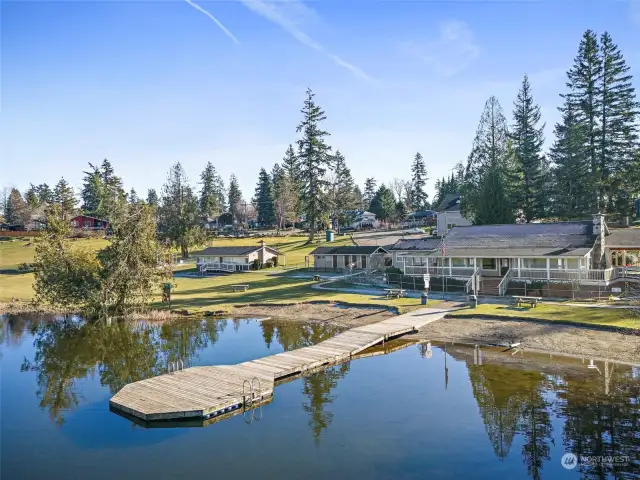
{"x": 64, "y": 197}
{"x": 585, "y": 102}
{"x": 528, "y": 138}
{"x": 344, "y": 188}
{"x": 493, "y": 204}
{"x": 315, "y": 158}
{"x": 291, "y": 168}
{"x": 92, "y": 190}
{"x": 571, "y": 168}
{"x": 133, "y": 197}
{"x": 419, "y": 195}
{"x": 618, "y": 130}
{"x": 210, "y": 201}
{"x": 264, "y": 199}
{"x": 152, "y": 197}
{"x": 178, "y": 218}
{"x": 490, "y": 151}
{"x": 235, "y": 199}
{"x": 370, "y": 188}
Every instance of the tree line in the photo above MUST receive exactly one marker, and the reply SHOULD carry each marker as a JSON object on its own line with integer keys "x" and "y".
{"x": 592, "y": 165}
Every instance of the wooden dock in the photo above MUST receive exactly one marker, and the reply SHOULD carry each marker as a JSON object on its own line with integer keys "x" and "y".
{"x": 208, "y": 392}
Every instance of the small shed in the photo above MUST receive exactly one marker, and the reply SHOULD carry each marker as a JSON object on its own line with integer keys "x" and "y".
{"x": 350, "y": 257}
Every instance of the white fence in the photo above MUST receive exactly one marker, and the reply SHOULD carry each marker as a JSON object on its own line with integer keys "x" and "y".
{"x": 220, "y": 267}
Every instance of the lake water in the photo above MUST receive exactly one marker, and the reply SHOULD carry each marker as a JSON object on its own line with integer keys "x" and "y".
{"x": 416, "y": 413}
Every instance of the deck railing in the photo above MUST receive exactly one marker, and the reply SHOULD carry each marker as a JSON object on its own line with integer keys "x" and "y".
{"x": 577, "y": 275}
{"x": 438, "y": 271}
{"x": 504, "y": 283}
{"x": 470, "y": 284}
{"x": 221, "y": 267}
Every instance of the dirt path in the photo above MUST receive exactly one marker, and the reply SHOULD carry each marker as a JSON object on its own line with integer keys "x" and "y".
{"x": 545, "y": 337}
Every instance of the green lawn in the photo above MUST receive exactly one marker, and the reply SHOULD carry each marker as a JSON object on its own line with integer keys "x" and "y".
{"x": 265, "y": 286}
{"x": 558, "y": 312}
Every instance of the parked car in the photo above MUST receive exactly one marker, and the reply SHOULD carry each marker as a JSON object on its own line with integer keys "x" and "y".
{"x": 434, "y": 231}
{"x": 413, "y": 231}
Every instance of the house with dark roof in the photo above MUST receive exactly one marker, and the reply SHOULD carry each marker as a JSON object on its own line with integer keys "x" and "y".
{"x": 235, "y": 259}
{"x": 580, "y": 251}
{"x": 351, "y": 257}
{"x": 449, "y": 214}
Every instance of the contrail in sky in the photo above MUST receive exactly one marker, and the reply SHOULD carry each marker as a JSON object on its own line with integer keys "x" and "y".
{"x": 217, "y": 22}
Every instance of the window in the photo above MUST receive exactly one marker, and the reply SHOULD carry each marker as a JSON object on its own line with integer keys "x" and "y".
{"x": 540, "y": 263}
{"x": 346, "y": 260}
{"x": 489, "y": 263}
{"x": 461, "y": 262}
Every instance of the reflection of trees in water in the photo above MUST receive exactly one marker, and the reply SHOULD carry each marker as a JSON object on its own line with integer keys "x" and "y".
{"x": 292, "y": 335}
{"x": 317, "y": 388}
{"x": 601, "y": 412}
{"x": 602, "y": 417}
{"x": 121, "y": 353}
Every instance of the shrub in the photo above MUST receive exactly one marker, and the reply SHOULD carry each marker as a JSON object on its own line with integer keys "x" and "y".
{"x": 393, "y": 270}
{"x": 26, "y": 268}
{"x": 275, "y": 261}
{"x": 268, "y": 264}
{"x": 256, "y": 264}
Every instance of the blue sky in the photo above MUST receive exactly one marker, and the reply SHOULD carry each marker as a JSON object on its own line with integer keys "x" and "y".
{"x": 147, "y": 83}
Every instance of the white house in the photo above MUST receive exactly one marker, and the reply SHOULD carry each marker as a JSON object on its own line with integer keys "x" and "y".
{"x": 234, "y": 259}
{"x": 449, "y": 215}
{"x": 351, "y": 257}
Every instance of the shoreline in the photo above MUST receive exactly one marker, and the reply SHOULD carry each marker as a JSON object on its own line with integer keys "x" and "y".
{"x": 539, "y": 335}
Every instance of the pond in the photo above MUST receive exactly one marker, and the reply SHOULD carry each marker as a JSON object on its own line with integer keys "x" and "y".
{"x": 424, "y": 411}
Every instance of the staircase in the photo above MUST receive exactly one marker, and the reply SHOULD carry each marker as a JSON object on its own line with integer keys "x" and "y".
{"x": 489, "y": 286}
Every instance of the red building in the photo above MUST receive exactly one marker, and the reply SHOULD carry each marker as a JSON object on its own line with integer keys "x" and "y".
{"x": 86, "y": 222}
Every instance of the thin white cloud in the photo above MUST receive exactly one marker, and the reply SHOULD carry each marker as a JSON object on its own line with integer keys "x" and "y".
{"x": 217, "y": 22}
{"x": 289, "y": 15}
{"x": 452, "y": 52}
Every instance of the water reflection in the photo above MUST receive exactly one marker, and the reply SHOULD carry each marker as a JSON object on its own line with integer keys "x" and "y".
{"x": 601, "y": 409}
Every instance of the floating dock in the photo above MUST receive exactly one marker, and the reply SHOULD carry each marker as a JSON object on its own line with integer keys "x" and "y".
{"x": 210, "y": 392}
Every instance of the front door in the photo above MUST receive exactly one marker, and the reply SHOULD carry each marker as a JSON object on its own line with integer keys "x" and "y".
{"x": 504, "y": 266}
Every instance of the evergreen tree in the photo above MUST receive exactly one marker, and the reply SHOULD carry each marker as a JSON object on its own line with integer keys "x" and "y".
{"x": 16, "y": 210}
{"x": 152, "y": 197}
{"x": 92, "y": 190}
{"x": 64, "y": 197}
{"x": 572, "y": 193}
{"x": 383, "y": 204}
{"x": 31, "y": 197}
{"x": 291, "y": 168}
{"x": 45, "y": 194}
{"x": 528, "y": 138}
{"x": 493, "y": 204}
{"x": 584, "y": 101}
{"x": 490, "y": 150}
{"x": 618, "y": 130}
{"x": 178, "y": 220}
{"x": 285, "y": 197}
{"x": 263, "y": 199}
{"x": 133, "y": 197}
{"x": 235, "y": 199}
{"x": 369, "y": 192}
{"x": 419, "y": 196}
{"x": 344, "y": 188}
{"x": 315, "y": 157}
{"x": 210, "y": 198}
{"x": 358, "y": 197}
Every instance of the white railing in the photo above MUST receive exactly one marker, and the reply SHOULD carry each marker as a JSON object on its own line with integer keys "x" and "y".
{"x": 576, "y": 275}
{"x": 627, "y": 272}
{"x": 218, "y": 267}
{"x": 438, "y": 271}
{"x": 504, "y": 283}
{"x": 469, "y": 286}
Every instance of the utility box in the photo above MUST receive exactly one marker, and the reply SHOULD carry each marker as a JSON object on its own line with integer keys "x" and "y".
{"x": 473, "y": 301}
{"x": 424, "y": 298}
{"x": 329, "y": 236}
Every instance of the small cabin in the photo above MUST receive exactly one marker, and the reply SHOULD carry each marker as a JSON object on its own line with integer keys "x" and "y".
{"x": 235, "y": 259}
{"x": 350, "y": 258}
{"x": 85, "y": 222}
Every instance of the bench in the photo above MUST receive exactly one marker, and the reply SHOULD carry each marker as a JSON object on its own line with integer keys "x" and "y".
{"x": 316, "y": 278}
{"x": 396, "y": 292}
{"x": 520, "y": 300}
{"x": 238, "y": 288}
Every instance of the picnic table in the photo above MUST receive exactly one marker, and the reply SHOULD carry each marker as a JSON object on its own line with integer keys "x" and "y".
{"x": 237, "y": 288}
{"x": 519, "y": 300}
{"x": 316, "y": 278}
{"x": 396, "y": 292}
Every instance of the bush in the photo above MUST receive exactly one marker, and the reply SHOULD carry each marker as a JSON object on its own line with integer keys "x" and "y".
{"x": 268, "y": 264}
{"x": 275, "y": 261}
{"x": 256, "y": 264}
{"x": 393, "y": 270}
{"x": 26, "y": 268}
